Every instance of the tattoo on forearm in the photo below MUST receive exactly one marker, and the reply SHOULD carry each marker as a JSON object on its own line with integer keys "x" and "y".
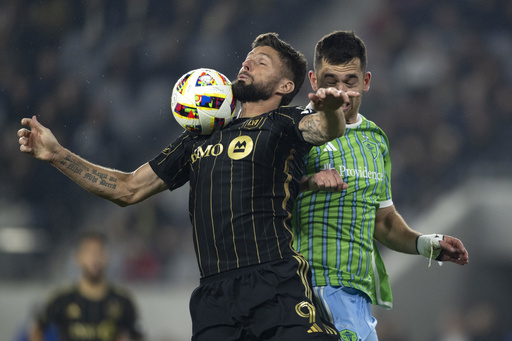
{"x": 103, "y": 181}
{"x": 93, "y": 175}
{"x": 313, "y": 133}
{"x": 312, "y": 123}
{"x": 73, "y": 165}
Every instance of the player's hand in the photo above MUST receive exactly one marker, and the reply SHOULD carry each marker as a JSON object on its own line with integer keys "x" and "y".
{"x": 38, "y": 140}
{"x": 328, "y": 180}
{"x": 331, "y": 99}
{"x": 453, "y": 251}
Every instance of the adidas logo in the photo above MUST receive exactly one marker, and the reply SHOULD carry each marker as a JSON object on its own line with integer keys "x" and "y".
{"x": 329, "y": 147}
{"x": 315, "y": 329}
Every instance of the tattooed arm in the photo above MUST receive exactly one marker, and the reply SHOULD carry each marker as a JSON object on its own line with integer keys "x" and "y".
{"x": 119, "y": 187}
{"x": 329, "y": 121}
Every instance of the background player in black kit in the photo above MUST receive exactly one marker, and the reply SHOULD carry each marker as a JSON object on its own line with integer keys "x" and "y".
{"x": 243, "y": 182}
{"x": 93, "y": 309}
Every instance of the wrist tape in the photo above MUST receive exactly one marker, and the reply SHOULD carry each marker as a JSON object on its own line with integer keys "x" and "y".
{"x": 428, "y": 246}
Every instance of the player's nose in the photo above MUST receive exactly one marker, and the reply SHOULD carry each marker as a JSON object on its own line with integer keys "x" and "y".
{"x": 246, "y": 65}
{"x": 342, "y": 87}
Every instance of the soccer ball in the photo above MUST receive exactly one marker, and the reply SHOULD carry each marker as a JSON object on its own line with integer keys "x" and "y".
{"x": 202, "y": 101}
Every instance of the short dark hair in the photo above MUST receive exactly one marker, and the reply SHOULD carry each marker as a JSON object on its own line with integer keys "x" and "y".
{"x": 294, "y": 61}
{"x": 340, "y": 47}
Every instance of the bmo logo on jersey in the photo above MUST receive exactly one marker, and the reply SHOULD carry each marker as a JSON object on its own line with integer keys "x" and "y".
{"x": 210, "y": 150}
{"x": 240, "y": 147}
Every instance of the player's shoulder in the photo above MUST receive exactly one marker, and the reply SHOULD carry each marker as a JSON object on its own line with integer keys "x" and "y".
{"x": 291, "y": 110}
{"x": 290, "y": 113}
{"x": 62, "y": 292}
{"x": 367, "y": 124}
{"x": 188, "y": 136}
{"x": 120, "y": 291}
{"x": 185, "y": 140}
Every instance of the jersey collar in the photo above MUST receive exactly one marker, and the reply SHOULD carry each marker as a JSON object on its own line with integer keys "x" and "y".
{"x": 357, "y": 123}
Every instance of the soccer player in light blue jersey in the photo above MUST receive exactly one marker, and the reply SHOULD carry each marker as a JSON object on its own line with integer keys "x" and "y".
{"x": 336, "y": 227}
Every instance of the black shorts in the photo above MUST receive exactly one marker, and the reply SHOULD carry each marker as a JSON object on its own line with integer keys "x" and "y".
{"x": 271, "y": 301}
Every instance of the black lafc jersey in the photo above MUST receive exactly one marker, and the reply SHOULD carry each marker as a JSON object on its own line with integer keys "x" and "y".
{"x": 243, "y": 183}
{"x": 78, "y": 318}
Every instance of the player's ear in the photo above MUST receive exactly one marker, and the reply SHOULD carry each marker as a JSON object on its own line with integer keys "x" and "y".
{"x": 367, "y": 78}
{"x": 285, "y": 86}
{"x": 313, "y": 80}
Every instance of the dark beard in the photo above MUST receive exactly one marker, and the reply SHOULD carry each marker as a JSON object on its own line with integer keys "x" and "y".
{"x": 93, "y": 278}
{"x": 251, "y": 93}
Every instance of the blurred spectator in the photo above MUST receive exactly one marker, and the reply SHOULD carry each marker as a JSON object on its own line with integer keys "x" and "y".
{"x": 93, "y": 308}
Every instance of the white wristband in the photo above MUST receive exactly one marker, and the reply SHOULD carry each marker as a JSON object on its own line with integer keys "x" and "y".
{"x": 428, "y": 245}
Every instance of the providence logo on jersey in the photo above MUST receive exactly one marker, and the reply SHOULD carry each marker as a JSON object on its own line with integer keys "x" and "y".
{"x": 360, "y": 172}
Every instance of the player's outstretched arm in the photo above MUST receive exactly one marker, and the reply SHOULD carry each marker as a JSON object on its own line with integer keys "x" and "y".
{"x": 393, "y": 232}
{"x": 119, "y": 187}
{"x": 328, "y": 180}
{"x": 329, "y": 121}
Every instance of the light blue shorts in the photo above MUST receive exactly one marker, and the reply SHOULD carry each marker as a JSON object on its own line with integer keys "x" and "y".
{"x": 349, "y": 310}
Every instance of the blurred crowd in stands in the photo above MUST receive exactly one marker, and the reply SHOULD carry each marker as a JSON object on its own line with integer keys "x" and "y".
{"x": 100, "y": 73}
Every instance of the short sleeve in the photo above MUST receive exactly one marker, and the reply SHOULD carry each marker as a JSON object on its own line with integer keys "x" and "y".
{"x": 48, "y": 313}
{"x": 172, "y": 165}
{"x": 385, "y": 197}
{"x": 295, "y": 115}
{"x": 131, "y": 322}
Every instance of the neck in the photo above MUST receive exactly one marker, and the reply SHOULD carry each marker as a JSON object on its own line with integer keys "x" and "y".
{"x": 252, "y": 109}
{"x": 92, "y": 290}
{"x": 351, "y": 119}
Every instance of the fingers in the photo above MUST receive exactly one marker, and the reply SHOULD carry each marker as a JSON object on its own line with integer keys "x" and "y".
{"x": 25, "y": 149}
{"x": 24, "y": 140}
{"x": 322, "y": 93}
{"x": 26, "y": 121}
{"x": 335, "y": 180}
{"x": 329, "y": 180}
{"x": 31, "y": 122}
{"x": 23, "y": 132}
{"x": 327, "y": 183}
{"x": 453, "y": 244}
{"x": 347, "y": 94}
{"x": 458, "y": 260}
{"x": 313, "y": 97}
{"x": 454, "y": 251}
{"x": 447, "y": 246}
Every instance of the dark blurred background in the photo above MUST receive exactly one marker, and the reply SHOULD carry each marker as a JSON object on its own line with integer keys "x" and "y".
{"x": 99, "y": 74}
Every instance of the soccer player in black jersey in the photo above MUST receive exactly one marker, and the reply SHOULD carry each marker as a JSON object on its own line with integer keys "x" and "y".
{"x": 93, "y": 309}
{"x": 243, "y": 182}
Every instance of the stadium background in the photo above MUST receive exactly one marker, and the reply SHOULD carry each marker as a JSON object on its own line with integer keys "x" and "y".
{"x": 99, "y": 74}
